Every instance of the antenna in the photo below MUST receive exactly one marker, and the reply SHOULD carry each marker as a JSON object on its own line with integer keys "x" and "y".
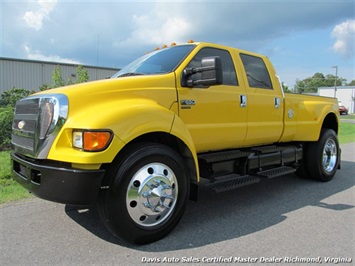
{"x": 97, "y": 53}
{"x": 98, "y": 50}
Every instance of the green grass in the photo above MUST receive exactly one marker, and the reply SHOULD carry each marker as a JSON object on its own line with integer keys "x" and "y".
{"x": 11, "y": 191}
{"x": 346, "y": 133}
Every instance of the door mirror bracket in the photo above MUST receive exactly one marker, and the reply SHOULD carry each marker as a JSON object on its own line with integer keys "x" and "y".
{"x": 211, "y": 73}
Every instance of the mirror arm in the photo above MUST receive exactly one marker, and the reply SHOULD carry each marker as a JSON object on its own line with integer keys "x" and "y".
{"x": 192, "y": 83}
{"x": 190, "y": 71}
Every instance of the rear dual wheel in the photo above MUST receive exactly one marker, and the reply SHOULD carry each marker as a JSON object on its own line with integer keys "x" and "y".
{"x": 147, "y": 195}
{"x": 321, "y": 158}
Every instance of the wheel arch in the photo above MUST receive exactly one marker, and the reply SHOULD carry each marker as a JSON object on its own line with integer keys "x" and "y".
{"x": 331, "y": 122}
{"x": 177, "y": 145}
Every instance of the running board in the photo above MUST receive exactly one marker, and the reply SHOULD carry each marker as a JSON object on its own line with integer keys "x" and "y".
{"x": 279, "y": 171}
{"x": 223, "y": 156}
{"x": 232, "y": 181}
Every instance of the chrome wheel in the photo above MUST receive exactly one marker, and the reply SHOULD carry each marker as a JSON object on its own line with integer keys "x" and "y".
{"x": 329, "y": 155}
{"x": 322, "y": 157}
{"x": 147, "y": 195}
{"x": 152, "y": 194}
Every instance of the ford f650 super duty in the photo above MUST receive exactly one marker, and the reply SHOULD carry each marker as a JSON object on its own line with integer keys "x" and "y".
{"x": 140, "y": 144}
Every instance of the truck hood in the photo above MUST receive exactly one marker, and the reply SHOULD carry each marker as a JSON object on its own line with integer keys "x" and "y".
{"x": 158, "y": 88}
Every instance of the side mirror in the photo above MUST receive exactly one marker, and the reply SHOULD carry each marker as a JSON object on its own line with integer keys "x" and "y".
{"x": 211, "y": 73}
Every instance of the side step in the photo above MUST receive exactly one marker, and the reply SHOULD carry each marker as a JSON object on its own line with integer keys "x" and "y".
{"x": 231, "y": 181}
{"x": 223, "y": 156}
{"x": 282, "y": 170}
{"x": 270, "y": 149}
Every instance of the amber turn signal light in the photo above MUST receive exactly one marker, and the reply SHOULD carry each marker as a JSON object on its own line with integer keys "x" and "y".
{"x": 92, "y": 140}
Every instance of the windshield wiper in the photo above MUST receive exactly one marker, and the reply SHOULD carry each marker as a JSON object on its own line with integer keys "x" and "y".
{"x": 129, "y": 74}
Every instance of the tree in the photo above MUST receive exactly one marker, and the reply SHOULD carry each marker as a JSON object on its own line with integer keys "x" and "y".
{"x": 311, "y": 84}
{"x": 10, "y": 97}
{"x": 8, "y": 100}
{"x": 285, "y": 87}
{"x": 57, "y": 77}
{"x": 45, "y": 87}
{"x": 81, "y": 75}
{"x": 352, "y": 83}
{"x": 300, "y": 86}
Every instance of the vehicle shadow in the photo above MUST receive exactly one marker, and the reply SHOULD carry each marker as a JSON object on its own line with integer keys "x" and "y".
{"x": 233, "y": 214}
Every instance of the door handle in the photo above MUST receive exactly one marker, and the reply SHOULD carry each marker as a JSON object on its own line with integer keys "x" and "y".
{"x": 243, "y": 100}
{"x": 277, "y": 102}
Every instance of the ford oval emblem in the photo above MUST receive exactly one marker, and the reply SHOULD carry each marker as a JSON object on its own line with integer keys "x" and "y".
{"x": 21, "y": 124}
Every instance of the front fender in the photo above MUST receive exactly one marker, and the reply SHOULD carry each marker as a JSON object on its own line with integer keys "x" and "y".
{"x": 180, "y": 131}
{"x": 128, "y": 119}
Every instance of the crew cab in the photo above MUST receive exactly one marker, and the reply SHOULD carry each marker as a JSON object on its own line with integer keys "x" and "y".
{"x": 140, "y": 144}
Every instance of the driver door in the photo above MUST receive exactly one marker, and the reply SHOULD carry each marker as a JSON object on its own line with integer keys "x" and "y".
{"x": 214, "y": 115}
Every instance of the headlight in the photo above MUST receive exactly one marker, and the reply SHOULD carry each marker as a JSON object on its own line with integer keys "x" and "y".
{"x": 78, "y": 139}
{"x": 91, "y": 140}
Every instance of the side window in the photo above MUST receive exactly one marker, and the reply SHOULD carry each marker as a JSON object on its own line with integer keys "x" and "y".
{"x": 229, "y": 74}
{"x": 258, "y": 76}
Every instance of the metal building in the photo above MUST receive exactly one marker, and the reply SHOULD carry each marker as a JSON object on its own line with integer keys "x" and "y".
{"x": 344, "y": 94}
{"x": 31, "y": 74}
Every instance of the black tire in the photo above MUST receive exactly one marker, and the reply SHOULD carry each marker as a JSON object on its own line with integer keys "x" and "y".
{"x": 323, "y": 156}
{"x": 147, "y": 195}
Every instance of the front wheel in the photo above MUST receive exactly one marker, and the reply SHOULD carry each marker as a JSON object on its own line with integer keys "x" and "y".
{"x": 323, "y": 156}
{"x": 147, "y": 195}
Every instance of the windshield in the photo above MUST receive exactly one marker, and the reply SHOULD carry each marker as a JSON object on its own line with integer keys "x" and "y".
{"x": 157, "y": 62}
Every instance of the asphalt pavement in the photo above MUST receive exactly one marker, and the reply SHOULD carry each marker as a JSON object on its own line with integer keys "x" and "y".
{"x": 285, "y": 220}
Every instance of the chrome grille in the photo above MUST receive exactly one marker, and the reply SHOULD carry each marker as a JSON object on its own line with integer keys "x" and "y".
{"x": 35, "y": 123}
{"x": 24, "y": 125}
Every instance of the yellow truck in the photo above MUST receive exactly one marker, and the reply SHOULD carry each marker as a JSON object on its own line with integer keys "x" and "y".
{"x": 140, "y": 144}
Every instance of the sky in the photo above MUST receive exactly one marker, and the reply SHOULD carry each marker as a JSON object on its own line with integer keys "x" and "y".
{"x": 301, "y": 37}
